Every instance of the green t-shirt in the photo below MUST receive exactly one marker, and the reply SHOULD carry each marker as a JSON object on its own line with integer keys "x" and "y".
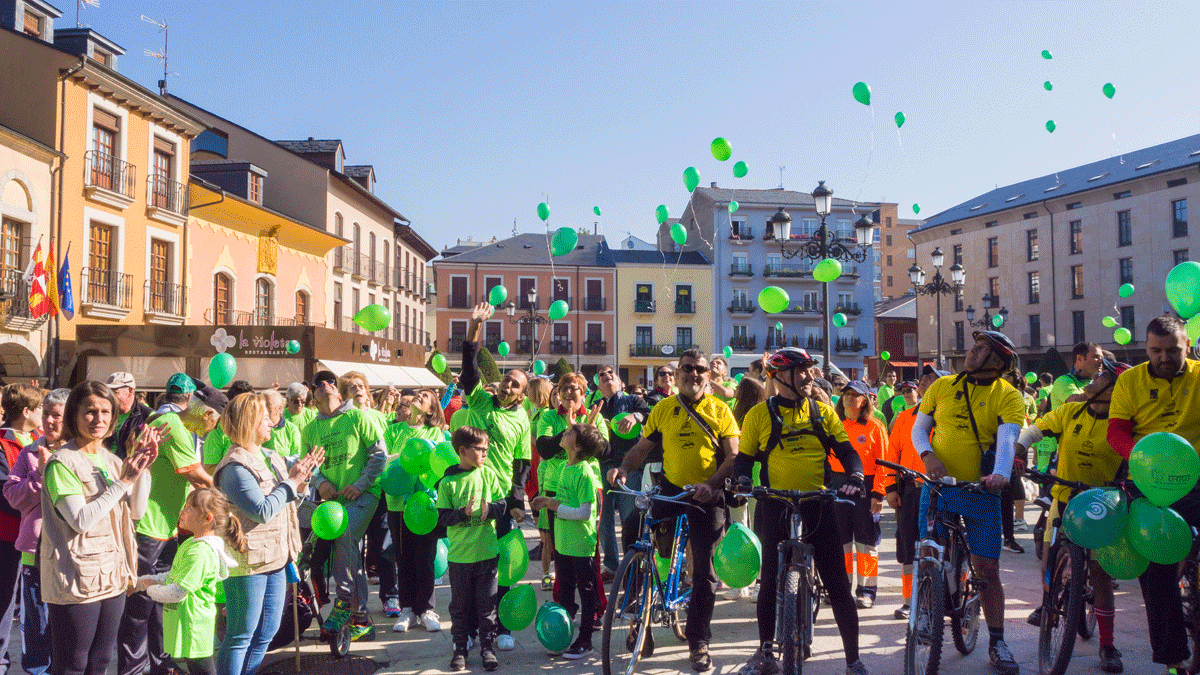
{"x": 216, "y": 445}
{"x": 302, "y": 418}
{"x": 1065, "y": 387}
{"x": 551, "y": 423}
{"x": 376, "y": 416}
{"x": 507, "y": 430}
{"x": 459, "y": 419}
{"x": 577, "y": 485}
{"x": 885, "y": 392}
{"x": 168, "y": 489}
{"x": 59, "y": 481}
{"x": 347, "y": 438}
{"x": 472, "y": 540}
{"x": 284, "y": 440}
{"x": 395, "y": 436}
{"x": 189, "y": 625}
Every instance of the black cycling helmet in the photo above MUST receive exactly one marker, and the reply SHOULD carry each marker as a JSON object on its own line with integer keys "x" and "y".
{"x": 789, "y": 357}
{"x": 1000, "y": 344}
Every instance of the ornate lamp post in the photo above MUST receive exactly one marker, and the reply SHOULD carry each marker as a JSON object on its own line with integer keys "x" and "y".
{"x": 938, "y": 287}
{"x": 986, "y": 321}
{"x": 529, "y": 317}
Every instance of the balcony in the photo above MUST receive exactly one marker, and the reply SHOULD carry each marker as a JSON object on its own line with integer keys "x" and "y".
{"x": 745, "y": 233}
{"x": 565, "y": 298}
{"x": 340, "y": 256}
{"x": 459, "y": 302}
{"x": 802, "y": 309}
{"x": 454, "y": 344}
{"x": 107, "y": 294}
{"x": 643, "y": 306}
{"x": 14, "y": 303}
{"x": 109, "y": 180}
{"x": 237, "y": 317}
{"x": 491, "y": 342}
{"x": 595, "y": 347}
{"x": 595, "y": 305}
{"x": 166, "y": 200}
{"x": 524, "y": 346}
{"x": 400, "y": 277}
{"x": 165, "y": 303}
{"x": 782, "y": 271}
{"x": 362, "y": 267}
{"x": 651, "y": 350}
{"x": 814, "y": 343}
{"x": 388, "y": 278}
{"x": 741, "y": 270}
{"x": 747, "y": 343}
{"x": 854, "y": 345}
{"x": 376, "y": 273}
{"x": 849, "y": 308}
{"x": 742, "y": 308}
{"x": 685, "y": 307}
{"x": 560, "y": 347}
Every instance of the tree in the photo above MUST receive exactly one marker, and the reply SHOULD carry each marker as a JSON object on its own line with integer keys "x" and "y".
{"x": 561, "y": 368}
{"x": 489, "y": 372}
{"x": 443, "y": 376}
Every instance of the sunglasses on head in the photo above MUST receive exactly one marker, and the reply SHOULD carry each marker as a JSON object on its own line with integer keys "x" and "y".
{"x": 689, "y": 368}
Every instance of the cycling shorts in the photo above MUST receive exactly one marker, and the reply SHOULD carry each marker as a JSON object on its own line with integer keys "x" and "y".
{"x": 980, "y": 514}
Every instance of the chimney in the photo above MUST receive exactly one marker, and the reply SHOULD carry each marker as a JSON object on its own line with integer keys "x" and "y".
{"x": 311, "y": 138}
{"x": 713, "y": 185}
{"x": 596, "y": 227}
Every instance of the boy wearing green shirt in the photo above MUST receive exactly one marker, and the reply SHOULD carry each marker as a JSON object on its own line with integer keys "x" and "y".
{"x": 469, "y": 501}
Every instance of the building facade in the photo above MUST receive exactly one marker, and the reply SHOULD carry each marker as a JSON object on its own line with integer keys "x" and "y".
{"x": 896, "y": 334}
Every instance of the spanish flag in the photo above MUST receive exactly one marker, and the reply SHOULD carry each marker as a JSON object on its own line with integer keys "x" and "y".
{"x": 51, "y": 287}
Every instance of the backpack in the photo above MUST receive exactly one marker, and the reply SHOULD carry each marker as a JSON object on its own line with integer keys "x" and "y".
{"x": 776, "y": 437}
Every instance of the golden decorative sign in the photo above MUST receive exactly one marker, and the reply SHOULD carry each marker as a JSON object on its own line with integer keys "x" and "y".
{"x": 268, "y": 252}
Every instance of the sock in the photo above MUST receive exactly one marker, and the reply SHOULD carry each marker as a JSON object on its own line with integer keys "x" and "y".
{"x": 849, "y": 563}
{"x": 995, "y": 635}
{"x": 906, "y": 588}
{"x": 1104, "y": 625}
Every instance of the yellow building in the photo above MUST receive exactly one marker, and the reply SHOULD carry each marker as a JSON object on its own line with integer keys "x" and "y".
{"x": 664, "y": 306}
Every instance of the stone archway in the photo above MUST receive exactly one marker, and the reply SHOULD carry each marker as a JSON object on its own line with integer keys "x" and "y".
{"x": 19, "y": 361}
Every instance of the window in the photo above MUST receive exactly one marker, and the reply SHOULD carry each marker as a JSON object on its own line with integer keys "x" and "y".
{"x": 301, "y": 308}
{"x": 339, "y": 252}
{"x": 370, "y": 271}
{"x": 560, "y": 289}
{"x": 740, "y": 264}
{"x": 102, "y": 57}
{"x": 1076, "y": 281}
{"x": 808, "y": 226}
{"x": 460, "y": 299}
{"x": 683, "y": 299}
{"x": 889, "y": 280}
{"x": 262, "y": 302}
{"x": 337, "y": 306}
{"x": 524, "y": 286}
{"x": 889, "y": 241}
{"x": 887, "y": 222}
{"x": 160, "y": 276}
{"x": 810, "y": 301}
{"x": 1030, "y": 215}
{"x": 163, "y": 196}
{"x": 644, "y": 335}
{"x": 739, "y": 332}
{"x": 33, "y": 24}
{"x": 955, "y": 231}
{"x": 1126, "y": 270}
{"x": 958, "y": 301}
{"x": 1176, "y": 182}
{"x": 1124, "y": 229}
{"x": 1127, "y": 318}
{"x": 845, "y": 229}
{"x": 1078, "y": 326}
{"x": 956, "y": 254}
{"x": 100, "y": 261}
{"x": 912, "y": 253}
{"x": 683, "y": 338}
{"x": 993, "y": 244}
{"x": 595, "y": 337}
{"x": 739, "y": 229}
{"x": 561, "y": 340}
{"x": 993, "y": 223}
{"x": 491, "y": 282}
{"x": 775, "y": 338}
{"x": 889, "y": 261}
{"x": 355, "y": 263}
{"x": 644, "y": 300}
{"x": 386, "y": 257}
{"x": 1179, "y": 217}
{"x": 774, "y": 262}
{"x": 1031, "y": 245}
{"x": 1180, "y": 256}
{"x": 960, "y": 337}
{"x": 910, "y": 344}
{"x": 1075, "y": 244}
{"x": 105, "y": 127}
{"x": 254, "y": 192}
{"x": 1074, "y": 205}
{"x": 1035, "y": 288}
{"x": 222, "y": 298}
{"x": 741, "y": 298}
{"x": 994, "y": 291}
{"x": 1122, "y": 194}
{"x": 1035, "y": 330}
{"x": 594, "y": 299}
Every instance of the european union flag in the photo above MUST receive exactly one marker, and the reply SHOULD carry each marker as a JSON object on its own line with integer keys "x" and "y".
{"x": 66, "y": 298}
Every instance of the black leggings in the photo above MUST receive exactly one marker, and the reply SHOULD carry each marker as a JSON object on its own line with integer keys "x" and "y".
{"x": 578, "y": 573}
{"x": 772, "y": 524}
{"x": 85, "y": 636}
{"x": 202, "y": 666}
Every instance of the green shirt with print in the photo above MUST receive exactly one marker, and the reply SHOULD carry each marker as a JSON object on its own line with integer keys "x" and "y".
{"x": 395, "y": 436}
{"x": 168, "y": 489}
{"x": 189, "y": 625}
{"x": 347, "y": 438}
{"x": 285, "y": 440}
{"x": 473, "y": 539}
{"x": 302, "y": 418}
{"x": 577, "y": 485}
{"x": 507, "y": 430}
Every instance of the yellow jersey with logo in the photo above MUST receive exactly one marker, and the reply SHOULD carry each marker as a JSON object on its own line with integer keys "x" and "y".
{"x": 1084, "y": 454}
{"x": 798, "y": 462}
{"x": 1155, "y": 404}
{"x": 954, "y": 440}
{"x": 689, "y": 456}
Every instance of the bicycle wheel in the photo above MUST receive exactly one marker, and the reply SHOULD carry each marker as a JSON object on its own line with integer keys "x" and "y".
{"x": 923, "y": 646}
{"x": 1039, "y": 531}
{"x": 789, "y": 630}
{"x": 1087, "y": 627}
{"x": 1062, "y": 610}
{"x": 678, "y": 616}
{"x": 964, "y": 624}
{"x": 626, "y": 622}
{"x": 808, "y": 598}
{"x": 818, "y": 595}
{"x": 1189, "y": 582}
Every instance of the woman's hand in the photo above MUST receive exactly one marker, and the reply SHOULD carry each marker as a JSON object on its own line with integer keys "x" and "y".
{"x": 301, "y": 471}
{"x": 145, "y": 451}
{"x": 594, "y": 413}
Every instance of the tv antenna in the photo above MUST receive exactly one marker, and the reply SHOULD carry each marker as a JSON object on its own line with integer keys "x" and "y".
{"x": 161, "y": 56}
{"x": 781, "y": 176}
{"x": 79, "y": 6}
{"x": 514, "y": 227}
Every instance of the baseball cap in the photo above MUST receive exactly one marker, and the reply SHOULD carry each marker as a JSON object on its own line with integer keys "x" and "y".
{"x": 907, "y": 383}
{"x": 857, "y": 386}
{"x": 118, "y": 380}
{"x": 211, "y": 397}
{"x": 322, "y": 377}
{"x": 930, "y": 369}
{"x": 180, "y": 383}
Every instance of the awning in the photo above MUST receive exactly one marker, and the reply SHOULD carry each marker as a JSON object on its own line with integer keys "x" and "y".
{"x": 903, "y": 364}
{"x": 263, "y": 373}
{"x": 149, "y": 372}
{"x": 380, "y": 375}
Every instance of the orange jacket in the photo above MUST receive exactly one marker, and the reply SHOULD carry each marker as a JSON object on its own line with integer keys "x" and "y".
{"x": 900, "y": 449}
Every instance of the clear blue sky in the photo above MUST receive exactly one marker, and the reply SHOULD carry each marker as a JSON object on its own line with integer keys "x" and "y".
{"x": 473, "y": 112}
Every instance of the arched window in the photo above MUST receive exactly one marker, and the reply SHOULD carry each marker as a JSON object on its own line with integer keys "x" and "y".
{"x": 262, "y": 302}
{"x": 357, "y": 249}
{"x": 222, "y": 298}
{"x": 301, "y": 308}
{"x": 339, "y": 260}
{"x": 387, "y": 263}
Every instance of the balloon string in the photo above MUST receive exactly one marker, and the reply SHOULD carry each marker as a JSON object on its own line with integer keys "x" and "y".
{"x": 870, "y": 156}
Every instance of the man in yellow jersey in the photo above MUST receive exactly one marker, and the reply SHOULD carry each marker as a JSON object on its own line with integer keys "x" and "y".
{"x": 1084, "y": 455}
{"x": 788, "y": 436}
{"x": 1161, "y": 395}
{"x": 969, "y": 414}
{"x": 699, "y": 439}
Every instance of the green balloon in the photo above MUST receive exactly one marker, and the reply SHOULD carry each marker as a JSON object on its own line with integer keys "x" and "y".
{"x": 565, "y": 240}
{"x": 373, "y": 318}
{"x": 502, "y": 349}
{"x": 1108, "y": 322}
{"x": 221, "y": 370}
{"x": 886, "y": 356}
{"x": 1193, "y": 329}
{"x": 634, "y": 431}
{"x": 554, "y": 628}
{"x": 429, "y": 480}
{"x": 596, "y": 210}
{"x": 438, "y": 362}
{"x": 663, "y": 565}
{"x": 1164, "y": 466}
{"x": 420, "y": 514}
{"x": 1030, "y": 378}
{"x": 1125, "y": 290}
{"x": 395, "y": 479}
{"x": 596, "y": 380}
{"x": 733, "y": 206}
{"x": 827, "y": 270}
{"x": 738, "y": 558}
{"x": 916, "y": 208}
{"x": 293, "y": 346}
{"x": 1122, "y": 336}
{"x": 1096, "y": 518}
{"x": 518, "y": 607}
{"x": 740, "y": 170}
{"x": 441, "y": 559}
{"x": 691, "y": 178}
{"x": 1183, "y": 288}
{"x": 329, "y": 520}
{"x": 998, "y": 320}
{"x": 839, "y": 320}
{"x": 1109, "y": 89}
{"x": 1051, "y": 126}
{"x": 900, "y": 119}
{"x": 779, "y": 326}
{"x": 720, "y": 149}
{"x": 661, "y": 214}
{"x": 543, "y": 211}
{"x": 1159, "y": 534}
{"x": 862, "y": 93}
{"x": 727, "y": 351}
{"x": 773, "y": 299}
{"x": 1120, "y": 560}
{"x": 558, "y": 309}
{"x": 539, "y": 367}
{"x": 738, "y": 378}
{"x": 679, "y": 234}
{"x": 414, "y": 456}
{"x": 1047, "y": 86}
{"x": 514, "y": 558}
{"x": 498, "y": 295}
{"x": 1046, "y": 54}
{"x": 443, "y": 457}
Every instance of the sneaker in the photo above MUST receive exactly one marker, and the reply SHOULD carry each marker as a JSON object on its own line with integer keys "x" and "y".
{"x": 607, "y": 575}
{"x": 856, "y": 668}
{"x": 1012, "y": 546}
{"x": 1020, "y": 525}
{"x": 391, "y": 608}
{"x": 338, "y": 616}
{"x": 1110, "y": 659}
{"x": 362, "y": 631}
{"x": 864, "y": 602}
{"x": 1042, "y": 502}
{"x": 1035, "y": 618}
{"x": 488, "y": 655}
{"x": 762, "y": 663}
{"x": 699, "y": 658}
{"x": 737, "y": 593}
{"x": 547, "y": 583}
{"x": 752, "y": 596}
{"x": 536, "y": 552}
{"x": 901, "y": 613}
{"x": 459, "y": 660}
{"x": 406, "y": 621}
{"x": 579, "y": 651}
{"x": 431, "y": 621}
{"x": 505, "y": 642}
{"x": 1002, "y": 659}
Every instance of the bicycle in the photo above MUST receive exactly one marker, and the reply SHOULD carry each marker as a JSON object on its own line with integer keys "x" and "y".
{"x": 1189, "y": 586}
{"x": 798, "y": 586}
{"x": 639, "y": 595}
{"x": 945, "y": 584}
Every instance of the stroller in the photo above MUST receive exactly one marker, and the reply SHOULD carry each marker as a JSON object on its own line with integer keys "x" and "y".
{"x": 300, "y": 609}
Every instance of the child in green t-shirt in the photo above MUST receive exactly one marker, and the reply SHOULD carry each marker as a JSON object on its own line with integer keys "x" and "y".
{"x": 576, "y": 509}
{"x": 188, "y": 591}
{"x": 468, "y": 502}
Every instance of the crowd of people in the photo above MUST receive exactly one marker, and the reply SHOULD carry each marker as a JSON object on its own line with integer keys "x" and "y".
{"x": 124, "y": 528}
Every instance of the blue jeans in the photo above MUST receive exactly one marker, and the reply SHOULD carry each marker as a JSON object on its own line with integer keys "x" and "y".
{"x": 35, "y": 623}
{"x": 254, "y": 609}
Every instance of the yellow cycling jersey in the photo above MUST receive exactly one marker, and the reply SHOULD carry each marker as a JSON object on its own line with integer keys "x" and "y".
{"x": 1155, "y": 404}
{"x": 798, "y": 462}
{"x": 1084, "y": 454}
{"x": 954, "y": 440}
{"x": 688, "y": 455}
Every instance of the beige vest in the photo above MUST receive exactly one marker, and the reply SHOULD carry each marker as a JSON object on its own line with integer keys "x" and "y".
{"x": 269, "y": 546}
{"x": 98, "y": 564}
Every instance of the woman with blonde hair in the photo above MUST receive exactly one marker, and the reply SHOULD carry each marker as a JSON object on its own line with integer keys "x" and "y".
{"x": 262, "y": 494}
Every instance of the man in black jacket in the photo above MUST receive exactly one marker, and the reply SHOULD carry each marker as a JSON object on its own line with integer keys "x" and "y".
{"x": 132, "y": 415}
{"x": 617, "y": 402}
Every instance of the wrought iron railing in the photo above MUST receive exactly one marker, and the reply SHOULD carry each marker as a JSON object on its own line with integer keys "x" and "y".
{"x": 164, "y": 193}
{"x": 106, "y": 287}
{"x": 110, "y": 173}
{"x": 165, "y": 298}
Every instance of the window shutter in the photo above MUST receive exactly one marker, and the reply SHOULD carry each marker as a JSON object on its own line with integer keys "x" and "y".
{"x": 33, "y": 24}
{"x": 102, "y": 118}
{"x": 165, "y": 147}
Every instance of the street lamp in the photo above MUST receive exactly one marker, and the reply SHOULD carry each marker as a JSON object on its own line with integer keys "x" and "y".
{"x": 822, "y": 245}
{"x": 938, "y": 287}
{"x": 529, "y": 317}
{"x": 986, "y": 321}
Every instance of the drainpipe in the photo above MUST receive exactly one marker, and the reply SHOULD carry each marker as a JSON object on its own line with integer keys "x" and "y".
{"x": 1053, "y": 275}
{"x": 56, "y": 190}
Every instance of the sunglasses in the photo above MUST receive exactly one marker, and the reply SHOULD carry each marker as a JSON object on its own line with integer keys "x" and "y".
{"x": 689, "y": 369}
{"x": 665, "y": 373}
{"x": 602, "y": 373}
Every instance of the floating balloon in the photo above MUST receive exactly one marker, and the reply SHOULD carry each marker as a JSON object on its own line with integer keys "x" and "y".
{"x": 1121, "y": 560}
{"x": 443, "y": 457}
{"x": 738, "y": 558}
{"x": 827, "y": 270}
{"x": 1051, "y": 126}
{"x": 221, "y": 370}
{"x": 1046, "y": 54}
{"x": 1164, "y": 466}
{"x": 633, "y": 432}
{"x": 1125, "y": 290}
{"x": 1108, "y": 322}
{"x": 862, "y": 93}
{"x": 438, "y": 362}
{"x": 679, "y": 234}
{"x": 899, "y": 119}
{"x": 429, "y": 480}
{"x": 543, "y": 211}
{"x": 839, "y": 320}
{"x": 691, "y": 178}
{"x": 565, "y": 240}
{"x": 373, "y": 318}
{"x": 539, "y": 367}
{"x": 502, "y": 349}
{"x": 773, "y": 299}
{"x": 1122, "y": 336}
{"x": 596, "y": 380}
{"x": 1193, "y": 329}
{"x": 414, "y": 456}
{"x": 518, "y": 607}
{"x": 1096, "y": 518}
{"x": 1183, "y": 288}
{"x": 420, "y": 514}
{"x": 329, "y": 520}
{"x": 779, "y": 326}
{"x": 395, "y": 479}
{"x": 740, "y": 170}
{"x": 1109, "y": 89}
{"x": 661, "y": 214}
{"x": 1030, "y": 377}
{"x": 916, "y": 208}
{"x": 733, "y": 206}
{"x": 558, "y": 309}
{"x": 728, "y": 351}
{"x": 293, "y": 346}
{"x": 554, "y": 628}
{"x": 596, "y": 210}
{"x": 998, "y": 320}
{"x": 498, "y": 295}
{"x": 1047, "y": 85}
{"x": 1160, "y": 534}
{"x": 886, "y": 356}
{"x": 738, "y": 378}
{"x": 720, "y": 149}
{"x": 514, "y": 558}
{"x": 441, "y": 559}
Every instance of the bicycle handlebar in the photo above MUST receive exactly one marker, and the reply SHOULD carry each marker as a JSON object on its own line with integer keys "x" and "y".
{"x": 643, "y": 498}
{"x": 947, "y": 481}
{"x": 1042, "y": 478}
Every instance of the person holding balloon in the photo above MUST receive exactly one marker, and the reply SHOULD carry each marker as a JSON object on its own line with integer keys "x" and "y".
{"x": 720, "y": 384}
{"x": 1161, "y": 395}
{"x": 1084, "y": 455}
{"x": 624, "y": 413}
